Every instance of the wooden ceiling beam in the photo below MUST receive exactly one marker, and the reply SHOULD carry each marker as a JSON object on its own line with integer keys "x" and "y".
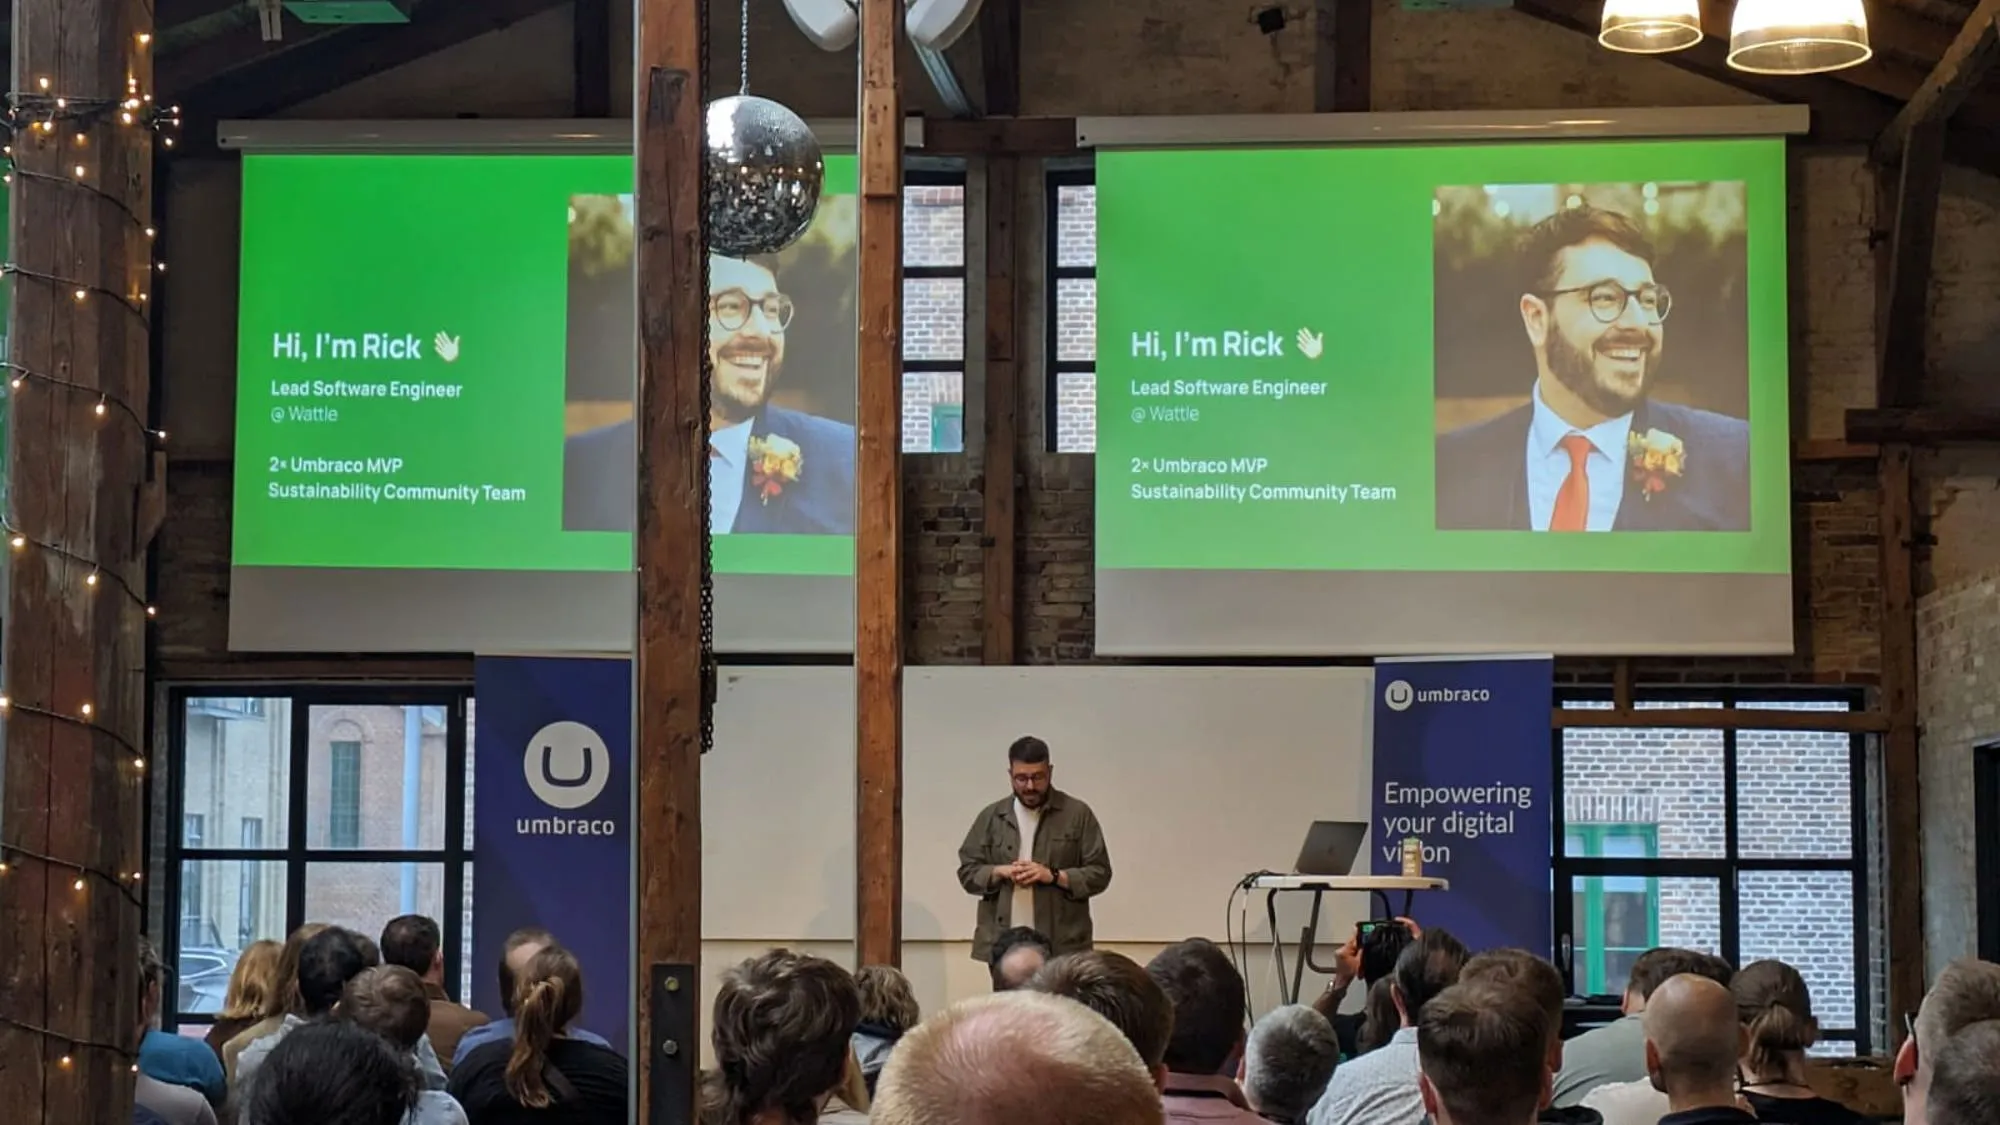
{"x": 283, "y": 74}
{"x": 1957, "y": 74}
{"x": 1000, "y": 57}
{"x": 1923, "y": 426}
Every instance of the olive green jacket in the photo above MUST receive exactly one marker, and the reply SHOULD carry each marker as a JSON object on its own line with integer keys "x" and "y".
{"x": 1068, "y": 842}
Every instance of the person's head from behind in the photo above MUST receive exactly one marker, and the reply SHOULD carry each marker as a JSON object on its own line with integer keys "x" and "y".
{"x": 285, "y": 1000}
{"x": 332, "y": 1073}
{"x": 515, "y": 953}
{"x": 1775, "y": 1008}
{"x": 1593, "y": 312}
{"x": 783, "y": 1023}
{"x": 1206, "y": 992}
{"x": 1655, "y": 967}
{"x": 747, "y": 319}
{"x": 253, "y": 984}
{"x": 1426, "y": 967}
{"x": 1532, "y": 976}
{"x": 888, "y": 1003}
{"x": 329, "y": 960}
{"x": 548, "y": 996}
{"x": 1693, "y": 1042}
{"x": 1381, "y": 943}
{"x": 1482, "y": 1051}
{"x": 1016, "y": 1057}
{"x": 1287, "y": 1062}
{"x": 1967, "y": 992}
{"x": 1122, "y": 991}
{"x": 414, "y": 942}
{"x": 389, "y": 1000}
{"x": 1029, "y": 771}
{"x": 1017, "y": 954}
{"x": 1965, "y": 1078}
{"x": 1379, "y": 1017}
{"x": 151, "y": 972}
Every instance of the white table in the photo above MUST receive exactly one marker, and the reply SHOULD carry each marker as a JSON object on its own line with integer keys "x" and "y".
{"x": 1317, "y": 886}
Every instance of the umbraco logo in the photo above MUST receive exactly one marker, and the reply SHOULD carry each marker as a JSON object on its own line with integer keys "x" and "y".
{"x": 567, "y": 765}
{"x": 1399, "y": 695}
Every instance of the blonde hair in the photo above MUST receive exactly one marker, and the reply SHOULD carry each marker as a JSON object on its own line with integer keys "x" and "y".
{"x": 547, "y": 998}
{"x": 253, "y": 983}
{"x": 1016, "y": 1056}
{"x": 886, "y": 998}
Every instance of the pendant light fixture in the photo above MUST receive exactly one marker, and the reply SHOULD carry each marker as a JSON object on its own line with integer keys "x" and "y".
{"x": 1798, "y": 36}
{"x": 1650, "y": 27}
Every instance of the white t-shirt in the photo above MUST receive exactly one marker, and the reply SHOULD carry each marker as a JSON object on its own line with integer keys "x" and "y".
{"x": 1024, "y": 897}
{"x": 1628, "y": 1103}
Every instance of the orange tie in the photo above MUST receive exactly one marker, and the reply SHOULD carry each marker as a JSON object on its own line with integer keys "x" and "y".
{"x": 1573, "y": 498}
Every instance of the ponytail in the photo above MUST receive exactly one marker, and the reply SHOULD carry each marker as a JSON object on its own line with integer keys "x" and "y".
{"x": 546, "y": 998}
{"x": 1775, "y": 1009}
{"x": 1775, "y": 1033}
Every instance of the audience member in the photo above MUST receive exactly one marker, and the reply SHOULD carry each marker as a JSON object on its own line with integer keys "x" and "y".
{"x": 330, "y": 959}
{"x": 1369, "y": 957}
{"x": 1965, "y": 1079}
{"x": 1380, "y": 1087}
{"x": 541, "y": 1073}
{"x": 888, "y": 1011}
{"x": 1482, "y": 1050}
{"x": 1967, "y": 992}
{"x": 253, "y": 984}
{"x": 784, "y": 1024}
{"x": 1013, "y": 1059}
{"x": 1122, "y": 991}
{"x": 1775, "y": 1009}
{"x": 391, "y": 1001}
{"x": 415, "y": 943}
{"x": 515, "y": 953}
{"x": 1206, "y": 992}
{"x": 1287, "y": 1061}
{"x": 1693, "y": 1043}
{"x": 1379, "y": 1020}
{"x": 1018, "y": 954}
{"x": 283, "y": 999}
{"x": 1536, "y": 979}
{"x": 1616, "y": 1052}
{"x": 169, "y": 1103}
{"x": 332, "y": 1073}
{"x": 175, "y": 1059}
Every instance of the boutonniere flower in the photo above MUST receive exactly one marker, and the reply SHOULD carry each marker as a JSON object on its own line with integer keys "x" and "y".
{"x": 774, "y": 463}
{"x": 1656, "y": 456}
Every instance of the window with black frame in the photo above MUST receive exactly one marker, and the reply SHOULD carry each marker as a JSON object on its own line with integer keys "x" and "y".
{"x": 1072, "y": 311}
{"x": 1750, "y": 844}
{"x": 934, "y": 312}
{"x": 340, "y": 805}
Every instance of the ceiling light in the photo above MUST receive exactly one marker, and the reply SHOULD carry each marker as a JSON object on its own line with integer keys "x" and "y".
{"x": 1650, "y": 27}
{"x": 1798, "y": 36}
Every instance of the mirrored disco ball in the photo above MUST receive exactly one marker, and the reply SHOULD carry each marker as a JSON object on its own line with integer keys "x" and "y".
{"x": 764, "y": 176}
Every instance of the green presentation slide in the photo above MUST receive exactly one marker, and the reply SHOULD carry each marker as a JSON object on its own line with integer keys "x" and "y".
{"x": 1429, "y": 357}
{"x": 436, "y": 360}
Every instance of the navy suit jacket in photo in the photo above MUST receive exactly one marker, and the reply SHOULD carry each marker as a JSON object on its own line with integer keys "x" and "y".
{"x": 1482, "y": 474}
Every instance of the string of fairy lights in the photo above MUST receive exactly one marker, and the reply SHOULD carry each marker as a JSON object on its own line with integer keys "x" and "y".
{"x": 46, "y": 116}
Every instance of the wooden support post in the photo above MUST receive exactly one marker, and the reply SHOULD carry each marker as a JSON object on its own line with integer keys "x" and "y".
{"x": 1912, "y": 188}
{"x": 1342, "y": 53}
{"x": 72, "y": 785}
{"x": 878, "y": 551}
{"x": 669, "y": 684}
{"x": 1902, "y": 806}
{"x": 1000, "y": 632}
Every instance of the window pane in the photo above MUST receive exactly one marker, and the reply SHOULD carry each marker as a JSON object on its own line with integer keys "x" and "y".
{"x": 1794, "y": 794}
{"x": 1805, "y": 919}
{"x": 933, "y": 412}
{"x": 1831, "y": 1049}
{"x": 465, "y": 965}
{"x": 238, "y": 765}
{"x": 1076, "y": 412}
{"x": 1076, "y": 319}
{"x": 934, "y": 225}
{"x": 471, "y": 770}
{"x": 933, "y": 318}
{"x": 1616, "y": 918}
{"x": 375, "y": 777}
{"x": 1670, "y": 779}
{"x": 364, "y": 896}
{"x": 1076, "y": 225}
{"x": 225, "y": 904}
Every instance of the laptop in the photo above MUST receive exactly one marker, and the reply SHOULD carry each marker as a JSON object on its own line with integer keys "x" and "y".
{"x": 1331, "y": 847}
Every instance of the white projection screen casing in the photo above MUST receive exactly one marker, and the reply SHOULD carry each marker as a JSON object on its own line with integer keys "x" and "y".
{"x": 305, "y": 605}
{"x": 1259, "y": 360}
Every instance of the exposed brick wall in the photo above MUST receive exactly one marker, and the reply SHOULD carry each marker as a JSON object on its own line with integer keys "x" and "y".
{"x": 1958, "y": 669}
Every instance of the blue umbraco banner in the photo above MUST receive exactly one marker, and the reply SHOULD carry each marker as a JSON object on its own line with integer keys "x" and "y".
{"x": 1464, "y": 764}
{"x": 551, "y": 823}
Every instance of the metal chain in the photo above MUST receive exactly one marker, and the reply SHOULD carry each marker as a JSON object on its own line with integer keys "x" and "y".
{"x": 708, "y": 669}
{"x": 743, "y": 53}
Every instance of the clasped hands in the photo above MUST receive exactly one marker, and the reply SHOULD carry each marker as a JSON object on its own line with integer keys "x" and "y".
{"x": 1025, "y": 873}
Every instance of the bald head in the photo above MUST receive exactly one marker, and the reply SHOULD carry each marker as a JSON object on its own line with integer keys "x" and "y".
{"x": 1693, "y": 1040}
{"x": 1013, "y": 1057}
